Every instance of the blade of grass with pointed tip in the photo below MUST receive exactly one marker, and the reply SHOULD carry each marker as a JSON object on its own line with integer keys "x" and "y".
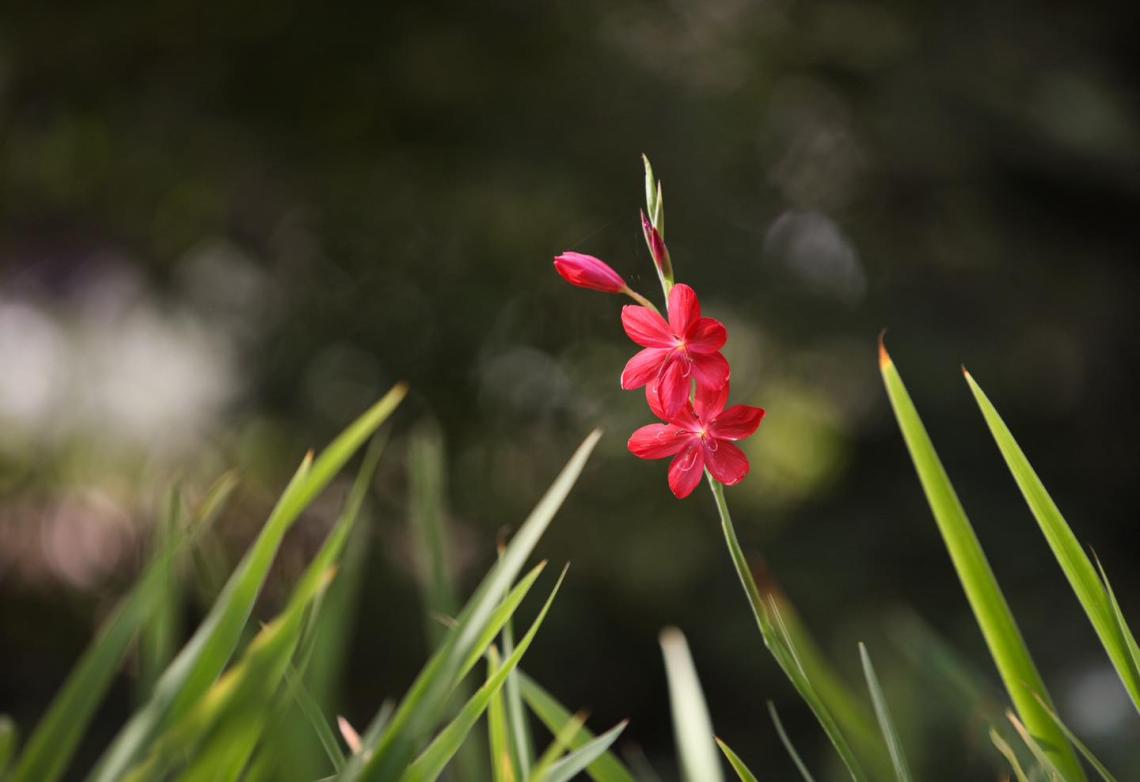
{"x": 51, "y": 745}
{"x": 204, "y": 657}
{"x": 787, "y": 742}
{"x": 1004, "y": 639}
{"x": 1011, "y": 757}
{"x": 418, "y": 712}
{"x": 520, "y": 743}
{"x": 742, "y": 771}
{"x": 1077, "y": 566}
{"x": 158, "y": 635}
{"x": 431, "y": 762}
{"x": 882, "y": 711}
{"x": 558, "y": 746}
{"x": 692, "y": 726}
{"x": 552, "y": 714}
{"x": 1130, "y": 641}
{"x": 573, "y": 763}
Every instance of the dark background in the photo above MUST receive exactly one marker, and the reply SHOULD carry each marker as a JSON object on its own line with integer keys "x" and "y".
{"x": 226, "y": 227}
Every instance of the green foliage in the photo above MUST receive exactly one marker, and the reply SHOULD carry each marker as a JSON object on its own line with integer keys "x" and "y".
{"x": 1014, "y": 663}
{"x": 692, "y": 726}
{"x": 890, "y": 735}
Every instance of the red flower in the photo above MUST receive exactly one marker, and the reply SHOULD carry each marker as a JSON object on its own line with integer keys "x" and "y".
{"x": 657, "y": 247}
{"x": 699, "y": 437}
{"x": 589, "y": 272}
{"x": 685, "y": 348}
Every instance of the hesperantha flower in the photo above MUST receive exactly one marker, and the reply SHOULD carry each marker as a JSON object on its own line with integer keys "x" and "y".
{"x": 683, "y": 349}
{"x": 699, "y": 437}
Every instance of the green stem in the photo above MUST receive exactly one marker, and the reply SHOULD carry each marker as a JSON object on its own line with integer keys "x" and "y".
{"x": 644, "y": 302}
{"x": 759, "y": 610}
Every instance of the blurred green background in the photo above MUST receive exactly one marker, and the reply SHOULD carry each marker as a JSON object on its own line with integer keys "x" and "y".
{"x": 227, "y": 227}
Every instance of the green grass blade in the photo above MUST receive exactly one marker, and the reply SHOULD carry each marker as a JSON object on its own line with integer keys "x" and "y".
{"x": 418, "y": 713}
{"x": 692, "y": 726}
{"x": 315, "y": 717}
{"x": 159, "y": 635}
{"x": 787, "y": 742}
{"x": 1077, "y": 566}
{"x": 51, "y": 745}
{"x": 1086, "y": 753}
{"x": 890, "y": 735}
{"x": 1018, "y": 672}
{"x": 431, "y": 762}
{"x": 737, "y": 764}
{"x": 557, "y": 748}
{"x": 1007, "y": 751}
{"x": 778, "y": 639}
{"x": 522, "y": 750}
{"x": 572, "y": 764}
{"x": 1044, "y": 762}
{"x": 552, "y": 714}
{"x": 204, "y": 657}
{"x": 1118, "y": 615}
{"x": 502, "y": 761}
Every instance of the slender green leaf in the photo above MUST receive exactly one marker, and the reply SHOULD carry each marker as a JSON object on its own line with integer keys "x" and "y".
{"x": 1086, "y": 753}
{"x": 552, "y": 714}
{"x": 557, "y": 748}
{"x": 737, "y": 764}
{"x": 779, "y": 641}
{"x": 204, "y": 657}
{"x": 1018, "y": 672}
{"x": 1044, "y": 762}
{"x": 692, "y": 726}
{"x": 1078, "y": 568}
{"x": 502, "y": 762}
{"x": 890, "y": 735}
{"x": 315, "y": 716}
{"x": 522, "y": 750}
{"x": 431, "y": 762}
{"x": 1130, "y": 641}
{"x": 418, "y": 713}
{"x": 787, "y": 742}
{"x": 1007, "y": 751}
{"x": 51, "y": 745}
{"x": 573, "y": 763}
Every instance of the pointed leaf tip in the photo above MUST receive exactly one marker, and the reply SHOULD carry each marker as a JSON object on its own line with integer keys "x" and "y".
{"x": 884, "y": 357}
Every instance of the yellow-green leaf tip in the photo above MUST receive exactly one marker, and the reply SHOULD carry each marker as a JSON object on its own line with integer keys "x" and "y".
{"x": 884, "y": 357}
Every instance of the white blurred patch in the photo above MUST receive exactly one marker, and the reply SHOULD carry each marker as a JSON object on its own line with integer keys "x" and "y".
{"x": 33, "y": 365}
{"x": 1096, "y": 703}
{"x": 525, "y": 380}
{"x": 85, "y": 538}
{"x": 226, "y": 286}
{"x": 813, "y": 248}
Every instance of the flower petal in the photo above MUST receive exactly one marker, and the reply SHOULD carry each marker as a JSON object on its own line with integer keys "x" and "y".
{"x": 708, "y": 402}
{"x": 726, "y": 462}
{"x": 707, "y": 335}
{"x": 737, "y": 422}
{"x": 643, "y": 368}
{"x": 657, "y": 441}
{"x": 684, "y": 309}
{"x": 673, "y": 386}
{"x": 711, "y": 370}
{"x": 646, "y": 327}
{"x": 589, "y": 272}
{"x": 685, "y": 471}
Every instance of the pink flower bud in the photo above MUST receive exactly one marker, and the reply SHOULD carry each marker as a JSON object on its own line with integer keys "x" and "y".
{"x": 589, "y": 272}
{"x": 657, "y": 248}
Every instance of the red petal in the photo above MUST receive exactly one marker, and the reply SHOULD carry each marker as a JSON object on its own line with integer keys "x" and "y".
{"x": 726, "y": 462}
{"x": 646, "y": 327}
{"x": 709, "y": 402}
{"x": 711, "y": 370}
{"x": 707, "y": 335}
{"x": 684, "y": 309}
{"x": 643, "y": 368}
{"x": 685, "y": 471}
{"x": 586, "y": 271}
{"x": 673, "y": 385}
{"x": 657, "y": 441}
{"x": 737, "y": 422}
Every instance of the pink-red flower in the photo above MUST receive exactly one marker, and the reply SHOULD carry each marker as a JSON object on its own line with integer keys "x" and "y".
{"x": 589, "y": 272}
{"x": 678, "y": 351}
{"x": 657, "y": 247}
{"x": 700, "y": 436}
